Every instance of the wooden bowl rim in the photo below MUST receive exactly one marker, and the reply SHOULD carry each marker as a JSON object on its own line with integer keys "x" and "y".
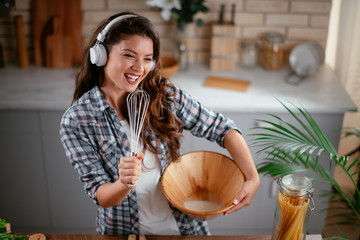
{"x": 174, "y": 63}
{"x": 186, "y": 210}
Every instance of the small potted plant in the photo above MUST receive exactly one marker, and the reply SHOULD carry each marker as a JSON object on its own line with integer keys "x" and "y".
{"x": 182, "y": 12}
{"x": 296, "y": 148}
{"x": 6, "y": 234}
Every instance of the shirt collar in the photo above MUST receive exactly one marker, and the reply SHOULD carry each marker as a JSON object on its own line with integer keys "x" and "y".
{"x": 98, "y": 101}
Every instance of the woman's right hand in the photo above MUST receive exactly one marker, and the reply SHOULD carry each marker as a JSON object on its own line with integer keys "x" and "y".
{"x": 130, "y": 168}
{"x": 111, "y": 194}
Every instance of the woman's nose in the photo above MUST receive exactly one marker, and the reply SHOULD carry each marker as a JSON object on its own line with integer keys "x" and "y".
{"x": 138, "y": 65}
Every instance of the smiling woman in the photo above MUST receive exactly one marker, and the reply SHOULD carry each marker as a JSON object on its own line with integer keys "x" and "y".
{"x": 121, "y": 58}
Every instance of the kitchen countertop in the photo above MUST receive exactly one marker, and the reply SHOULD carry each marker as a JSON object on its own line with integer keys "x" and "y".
{"x": 40, "y": 88}
{"x": 163, "y": 237}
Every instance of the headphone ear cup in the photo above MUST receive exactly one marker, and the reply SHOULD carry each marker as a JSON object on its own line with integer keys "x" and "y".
{"x": 98, "y": 55}
{"x": 93, "y": 55}
{"x": 152, "y": 65}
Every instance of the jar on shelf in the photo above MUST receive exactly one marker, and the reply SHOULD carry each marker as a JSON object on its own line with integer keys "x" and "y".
{"x": 293, "y": 209}
{"x": 248, "y": 53}
{"x": 272, "y": 51}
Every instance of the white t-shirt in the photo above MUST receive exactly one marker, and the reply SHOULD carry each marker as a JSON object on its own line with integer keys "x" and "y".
{"x": 154, "y": 212}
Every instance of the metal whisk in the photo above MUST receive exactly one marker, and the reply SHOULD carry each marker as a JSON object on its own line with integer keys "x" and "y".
{"x": 137, "y": 105}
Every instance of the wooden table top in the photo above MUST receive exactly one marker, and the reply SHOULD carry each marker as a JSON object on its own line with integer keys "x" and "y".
{"x": 164, "y": 237}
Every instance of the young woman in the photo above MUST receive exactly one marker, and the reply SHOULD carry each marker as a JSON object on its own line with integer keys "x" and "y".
{"x": 122, "y": 56}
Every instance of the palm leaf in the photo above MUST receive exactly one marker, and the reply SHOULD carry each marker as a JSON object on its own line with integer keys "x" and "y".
{"x": 353, "y": 164}
{"x": 319, "y": 133}
{"x": 285, "y": 136}
{"x": 304, "y": 126}
{"x": 352, "y": 131}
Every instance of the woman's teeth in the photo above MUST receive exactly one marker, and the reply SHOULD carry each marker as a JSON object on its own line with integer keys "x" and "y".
{"x": 131, "y": 77}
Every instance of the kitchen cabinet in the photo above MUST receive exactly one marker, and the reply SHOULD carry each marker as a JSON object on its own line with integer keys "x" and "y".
{"x": 42, "y": 191}
{"x": 69, "y": 207}
{"x": 22, "y": 170}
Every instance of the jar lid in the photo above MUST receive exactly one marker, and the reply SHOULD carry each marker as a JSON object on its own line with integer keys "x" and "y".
{"x": 274, "y": 37}
{"x": 296, "y": 185}
{"x": 249, "y": 42}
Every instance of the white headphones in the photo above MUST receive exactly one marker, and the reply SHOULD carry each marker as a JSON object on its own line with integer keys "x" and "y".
{"x": 98, "y": 54}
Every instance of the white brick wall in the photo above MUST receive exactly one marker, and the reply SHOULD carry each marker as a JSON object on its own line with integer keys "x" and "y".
{"x": 287, "y": 20}
{"x": 298, "y": 20}
{"x": 310, "y": 7}
{"x": 266, "y": 6}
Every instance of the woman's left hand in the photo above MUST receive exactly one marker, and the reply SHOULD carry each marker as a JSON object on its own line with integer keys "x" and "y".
{"x": 245, "y": 196}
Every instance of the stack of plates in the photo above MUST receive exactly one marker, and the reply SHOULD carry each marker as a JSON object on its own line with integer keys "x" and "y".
{"x": 306, "y": 58}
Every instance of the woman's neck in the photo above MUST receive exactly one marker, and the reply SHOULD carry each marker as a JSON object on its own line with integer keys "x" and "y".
{"x": 114, "y": 99}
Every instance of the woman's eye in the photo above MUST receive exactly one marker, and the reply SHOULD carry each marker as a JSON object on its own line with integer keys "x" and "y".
{"x": 129, "y": 55}
{"x": 148, "y": 59}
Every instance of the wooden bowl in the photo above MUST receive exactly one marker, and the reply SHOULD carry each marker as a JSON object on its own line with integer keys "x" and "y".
{"x": 202, "y": 184}
{"x": 169, "y": 66}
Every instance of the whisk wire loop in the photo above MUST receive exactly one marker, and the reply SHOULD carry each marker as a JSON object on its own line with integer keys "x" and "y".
{"x": 137, "y": 105}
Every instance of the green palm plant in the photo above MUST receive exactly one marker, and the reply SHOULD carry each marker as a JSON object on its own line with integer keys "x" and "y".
{"x": 296, "y": 148}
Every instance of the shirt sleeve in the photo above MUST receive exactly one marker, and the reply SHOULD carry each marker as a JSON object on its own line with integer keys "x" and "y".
{"x": 201, "y": 120}
{"x": 82, "y": 155}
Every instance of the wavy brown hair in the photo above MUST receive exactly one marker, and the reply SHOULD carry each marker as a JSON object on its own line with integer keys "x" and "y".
{"x": 159, "y": 118}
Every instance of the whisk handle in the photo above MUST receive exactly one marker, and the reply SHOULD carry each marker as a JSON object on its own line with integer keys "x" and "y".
{"x": 131, "y": 184}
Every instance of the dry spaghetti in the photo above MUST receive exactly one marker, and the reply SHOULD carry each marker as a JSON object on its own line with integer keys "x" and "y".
{"x": 292, "y": 210}
{"x": 293, "y": 213}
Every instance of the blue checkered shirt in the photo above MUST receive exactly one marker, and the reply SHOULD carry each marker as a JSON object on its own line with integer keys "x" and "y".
{"x": 94, "y": 142}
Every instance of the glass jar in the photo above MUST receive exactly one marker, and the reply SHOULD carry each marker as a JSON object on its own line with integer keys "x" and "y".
{"x": 272, "y": 51}
{"x": 294, "y": 205}
{"x": 248, "y": 53}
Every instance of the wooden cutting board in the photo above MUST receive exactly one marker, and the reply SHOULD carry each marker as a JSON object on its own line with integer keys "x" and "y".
{"x": 21, "y": 42}
{"x": 73, "y": 28}
{"x": 227, "y": 83}
{"x": 58, "y": 47}
{"x": 41, "y": 15}
{"x": 70, "y": 12}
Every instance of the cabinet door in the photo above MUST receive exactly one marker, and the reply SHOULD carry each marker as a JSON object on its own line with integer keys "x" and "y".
{"x": 70, "y": 207}
{"x": 24, "y": 200}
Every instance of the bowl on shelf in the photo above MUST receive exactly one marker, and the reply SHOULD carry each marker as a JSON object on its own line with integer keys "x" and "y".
{"x": 202, "y": 184}
{"x": 169, "y": 66}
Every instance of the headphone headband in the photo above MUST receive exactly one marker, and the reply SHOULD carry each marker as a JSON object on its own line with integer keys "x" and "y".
{"x": 102, "y": 34}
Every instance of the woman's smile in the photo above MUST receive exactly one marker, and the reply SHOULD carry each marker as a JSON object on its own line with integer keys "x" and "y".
{"x": 131, "y": 78}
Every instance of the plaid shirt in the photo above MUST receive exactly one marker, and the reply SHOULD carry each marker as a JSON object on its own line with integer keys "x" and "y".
{"x": 94, "y": 142}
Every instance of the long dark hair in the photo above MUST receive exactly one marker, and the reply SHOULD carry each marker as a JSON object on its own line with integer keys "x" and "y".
{"x": 159, "y": 118}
